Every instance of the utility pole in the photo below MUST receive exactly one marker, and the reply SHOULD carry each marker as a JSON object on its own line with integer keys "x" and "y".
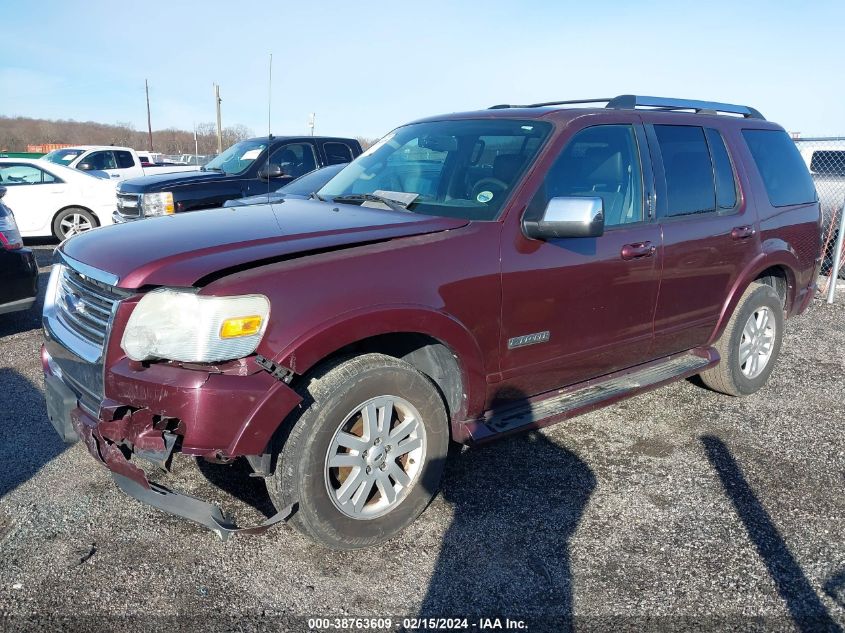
{"x": 312, "y": 121}
{"x": 217, "y": 101}
{"x": 149, "y": 121}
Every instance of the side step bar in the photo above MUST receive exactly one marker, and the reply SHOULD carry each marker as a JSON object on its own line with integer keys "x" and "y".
{"x": 562, "y": 404}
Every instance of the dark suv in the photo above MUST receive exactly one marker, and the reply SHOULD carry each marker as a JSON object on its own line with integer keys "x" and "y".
{"x": 471, "y": 275}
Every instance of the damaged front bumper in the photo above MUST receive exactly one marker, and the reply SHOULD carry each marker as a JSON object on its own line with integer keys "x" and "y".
{"x": 123, "y": 432}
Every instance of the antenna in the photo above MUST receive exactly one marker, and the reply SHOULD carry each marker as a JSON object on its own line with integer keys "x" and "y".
{"x": 269, "y": 132}
{"x": 149, "y": 122}
{"x": 270, "y": 98}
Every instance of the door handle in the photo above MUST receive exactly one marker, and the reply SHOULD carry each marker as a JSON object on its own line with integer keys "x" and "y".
{"x": 638, "y": 250}
{"x": 742, "y": 232}
{"x": 115, "y": 175}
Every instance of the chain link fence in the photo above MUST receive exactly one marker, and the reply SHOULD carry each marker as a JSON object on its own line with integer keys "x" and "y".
{"x": 825, "y": 157}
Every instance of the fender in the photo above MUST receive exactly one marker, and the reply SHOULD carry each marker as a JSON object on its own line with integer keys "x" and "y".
{"x": 775, "y": 252}
{"x": 350, "y": 327}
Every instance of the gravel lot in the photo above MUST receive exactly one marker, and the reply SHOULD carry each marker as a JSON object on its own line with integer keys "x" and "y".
{"x": 676, "y": 509}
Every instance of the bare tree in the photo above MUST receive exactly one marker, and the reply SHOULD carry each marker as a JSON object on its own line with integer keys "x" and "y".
{"x": 18, "y": 132}
{"x": 366, "y": 142}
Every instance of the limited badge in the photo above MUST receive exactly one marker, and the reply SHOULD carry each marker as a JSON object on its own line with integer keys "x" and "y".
{"x": 484, "y": 196}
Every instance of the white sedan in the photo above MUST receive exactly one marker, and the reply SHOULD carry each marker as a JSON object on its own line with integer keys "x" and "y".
{"x": 50, "y": 199}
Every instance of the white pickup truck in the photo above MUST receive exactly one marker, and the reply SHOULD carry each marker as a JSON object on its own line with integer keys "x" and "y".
{"x": 106, "y": 161}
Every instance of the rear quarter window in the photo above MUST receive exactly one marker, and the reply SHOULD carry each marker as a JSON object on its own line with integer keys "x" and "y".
{"x": 781, "y": 167}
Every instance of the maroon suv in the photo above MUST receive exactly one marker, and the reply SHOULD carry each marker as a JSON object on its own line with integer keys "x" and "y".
{"x": 469, "y": 276}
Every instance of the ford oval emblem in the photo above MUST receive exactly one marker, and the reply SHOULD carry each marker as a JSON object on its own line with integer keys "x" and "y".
{"x": 75, "y": 304}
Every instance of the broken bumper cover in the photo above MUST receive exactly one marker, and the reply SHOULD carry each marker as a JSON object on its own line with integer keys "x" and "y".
{"x": 134, "y": 482}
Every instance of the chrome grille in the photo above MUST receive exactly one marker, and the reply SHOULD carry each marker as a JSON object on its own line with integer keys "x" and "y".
{"x": 85, "y": 305}
{"x": 129, "y": 205}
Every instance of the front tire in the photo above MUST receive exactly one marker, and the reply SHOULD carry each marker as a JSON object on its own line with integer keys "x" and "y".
{"x": 365, "y": 456}
{"x": 72, "y": 221}
{"x": 750, "y": 344}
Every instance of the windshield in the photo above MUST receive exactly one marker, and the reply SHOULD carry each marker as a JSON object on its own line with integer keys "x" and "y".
{"x": 62, "y": 156}
{"x": 462, "y": 168}
{"x": 237, "y": 158}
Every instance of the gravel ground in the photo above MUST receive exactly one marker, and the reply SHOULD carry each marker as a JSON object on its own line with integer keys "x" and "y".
{"x": 676, "y": 509}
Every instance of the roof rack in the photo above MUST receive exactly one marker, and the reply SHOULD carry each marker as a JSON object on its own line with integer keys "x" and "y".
{"x": 631, "y": 102}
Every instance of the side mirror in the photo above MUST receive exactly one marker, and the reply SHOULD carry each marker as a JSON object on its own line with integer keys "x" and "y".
{"x": 85, "y": 167}
{"x": 270, "y": 171}
{"x": 2, "y": 192}
{"x": 568, "y": 217}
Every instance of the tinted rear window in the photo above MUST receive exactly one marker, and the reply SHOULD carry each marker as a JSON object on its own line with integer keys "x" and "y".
{"x": 780, "y": 164}
{"x": 124, "y": 159}
{"x": 337, "y": 153}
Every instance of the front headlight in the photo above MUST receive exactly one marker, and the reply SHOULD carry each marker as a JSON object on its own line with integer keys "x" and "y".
{"x": 157, "y": 203}
{"x": 184, "y": 326}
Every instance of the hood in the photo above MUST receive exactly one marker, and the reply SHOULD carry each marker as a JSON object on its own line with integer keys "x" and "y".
{"x": 180, "y": 249}
{"x": 162, "y": 182}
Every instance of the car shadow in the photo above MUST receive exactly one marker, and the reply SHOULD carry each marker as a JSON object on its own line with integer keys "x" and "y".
{"x": 27, "y": 440}
{"x": 516, "y": 506}
{"x": 234, "y": 479}
{"x": 804, "y": 606}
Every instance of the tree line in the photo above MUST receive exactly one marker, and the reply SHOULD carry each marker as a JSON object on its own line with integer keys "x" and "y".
{"x": 18, "y": 132}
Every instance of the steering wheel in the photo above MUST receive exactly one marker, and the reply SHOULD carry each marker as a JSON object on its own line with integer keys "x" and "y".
{"x": 486, "y": 184}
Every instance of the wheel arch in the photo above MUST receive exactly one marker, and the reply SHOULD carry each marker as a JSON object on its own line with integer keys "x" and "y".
{"x": 75, "y": 206}
{"x": 775, "y": 266}
{"x": 435, "y": 343}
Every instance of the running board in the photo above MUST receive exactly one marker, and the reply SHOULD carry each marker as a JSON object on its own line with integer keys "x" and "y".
{"x": 562, "y": 404}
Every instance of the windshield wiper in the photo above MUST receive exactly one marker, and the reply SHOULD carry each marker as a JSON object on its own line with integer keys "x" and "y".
{"x": 316, "y": 196}
{"x": 371, "y": 197}
{"x": 212, "y": 169}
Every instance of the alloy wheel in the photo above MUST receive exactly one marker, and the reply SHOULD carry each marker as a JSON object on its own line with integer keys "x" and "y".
{"x": 757, "y": 342}
{"x": 74, "y": 224}
{"x": 375, "y": 457}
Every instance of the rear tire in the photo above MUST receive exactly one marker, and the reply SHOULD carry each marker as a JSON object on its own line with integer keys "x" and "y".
{"x": 750, "y": 344}
{"x": 73, "y": 221}
{"x": 357, "y": 481}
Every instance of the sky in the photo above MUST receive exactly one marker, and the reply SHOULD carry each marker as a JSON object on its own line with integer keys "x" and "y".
{"x": 367, "y": 67}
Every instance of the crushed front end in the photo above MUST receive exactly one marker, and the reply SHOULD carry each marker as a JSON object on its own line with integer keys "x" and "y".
{"x": 123, "y": 409}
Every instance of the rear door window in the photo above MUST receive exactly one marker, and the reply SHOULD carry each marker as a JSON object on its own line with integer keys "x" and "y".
{"x": 779, "y": 162}
{"x": 337, "y": 153}
{"x": 689, "y": 171}
{"x": 124, "y": 159}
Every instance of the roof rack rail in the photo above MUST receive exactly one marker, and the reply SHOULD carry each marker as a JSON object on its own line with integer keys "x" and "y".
{"x": 550, "y": 103}
{"x": 631, "y": 102}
